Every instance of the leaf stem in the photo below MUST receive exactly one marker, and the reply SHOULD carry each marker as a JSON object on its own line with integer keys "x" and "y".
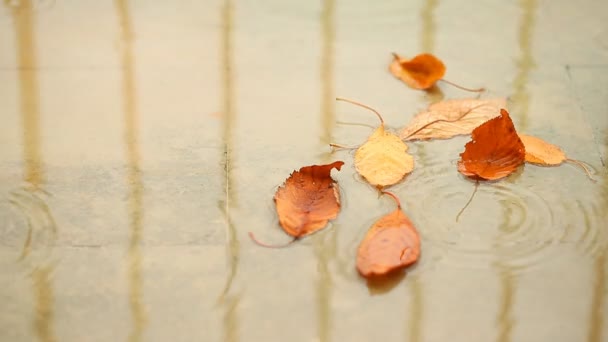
{"x": 583, "y": 166}
{"x": 394, "y": 197}
{"x": 340, "y": 146}
{"x": 478, "y": 90}
{"x": 259, "y": 243}
{"x": 469, "y": 201}
{"x": 362, "y": 105}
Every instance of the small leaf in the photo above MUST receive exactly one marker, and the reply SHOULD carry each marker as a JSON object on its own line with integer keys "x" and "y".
{"x": 308, "y": 199}
{"x": 383, "y": 159}
{"x": 390, "y": 244}
{"x": 449, "y": 118}
{"x": 495, "y": 150}
{"x": 540, "y": 152}
{"x": 420, "y": 72}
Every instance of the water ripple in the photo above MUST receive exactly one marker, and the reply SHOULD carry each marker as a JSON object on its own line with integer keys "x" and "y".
{"x": 515, "y": 221}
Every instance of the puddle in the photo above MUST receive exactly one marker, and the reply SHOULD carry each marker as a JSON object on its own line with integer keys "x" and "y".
{"x": 164, "y": 158}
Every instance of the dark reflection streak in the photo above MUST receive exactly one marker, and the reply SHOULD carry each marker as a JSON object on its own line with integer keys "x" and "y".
{"x": 505, "y": 311}
{"x": 416, "y": 313}
{"x": 328, "y": 98}
{"x": 598, "y": 300}
{"x": 28, "y": 90}
{"x": 44, "y": 303}
{"x": 525, "y": 63}
{"x": 427, "y": 40}
{"x": 326, "y": 244}
{"x": 134, "y": 180}
{"x": 428, "y": 25}
{"x": 23, "y": 21}
{"x": 229, "y": 301}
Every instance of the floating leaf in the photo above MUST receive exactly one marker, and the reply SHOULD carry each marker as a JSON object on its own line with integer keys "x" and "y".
{"x": 449, "y": 118}
{"x": 307, "y": 200}
{"x": 391, "y": 243}
{"x": 420, "y": 72}
{"x": 383, "y": 159}
{"x": 543, "y": 153}
{"x": 495, "y": 150}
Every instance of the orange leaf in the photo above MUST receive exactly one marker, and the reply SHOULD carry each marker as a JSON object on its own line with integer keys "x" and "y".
{"x": 308, "y": 199}
{"x": 391, "y": 243}
{"x": 420, "y": 72}
{"x": 495, "y": 150}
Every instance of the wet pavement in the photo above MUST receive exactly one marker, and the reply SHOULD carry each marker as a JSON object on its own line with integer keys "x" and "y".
{"x": 141, "y": 141}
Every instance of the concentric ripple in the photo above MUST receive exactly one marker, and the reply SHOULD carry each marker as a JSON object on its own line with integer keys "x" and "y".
{"x": 517, "y": 222}
{"x": 29, "y": 230}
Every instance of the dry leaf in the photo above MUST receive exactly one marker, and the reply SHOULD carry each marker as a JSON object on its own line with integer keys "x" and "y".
{"x": 420, "y": 72}
{"x": 495, "y": 150}
{"x": 308, "y": 199}
{"x": 382, "y": 160}
{"x": 391, "y": 243}
{"x": 449, "y": 118}
{"x": 541, "y": 152}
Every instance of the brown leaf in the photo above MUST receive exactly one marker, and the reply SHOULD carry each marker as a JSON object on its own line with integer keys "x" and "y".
{"x": 391, "y": 243}
{"x": 495, "y": 150}
{"x": 420, "y": 72}
{"x": 449, "y": 118}
{"x": 308, "y": 199}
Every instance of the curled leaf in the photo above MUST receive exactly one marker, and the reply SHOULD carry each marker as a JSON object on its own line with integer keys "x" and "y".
{"x": 308, "y": 199}
{"x": 391, "y": 243}
{"x": 449, "y": 118}
{"x": 420, "y": 72}
{"x": 495, "y": 150}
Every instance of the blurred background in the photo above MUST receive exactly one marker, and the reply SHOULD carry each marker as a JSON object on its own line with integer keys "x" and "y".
{"x": 140, "y": 141}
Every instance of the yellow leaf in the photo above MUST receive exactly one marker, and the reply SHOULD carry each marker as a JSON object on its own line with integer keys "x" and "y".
{"x": 449, "y": 118}
{"x": 541, "y": 152}
{"x": 383, "y": 159}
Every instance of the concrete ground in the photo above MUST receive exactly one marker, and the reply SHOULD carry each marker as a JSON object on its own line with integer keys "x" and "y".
{"x": 140, "y": 142}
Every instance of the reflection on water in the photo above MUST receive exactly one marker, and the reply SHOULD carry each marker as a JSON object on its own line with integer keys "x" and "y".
{"x": 525, "y": 63}
{"x": 505, "y": 320}
{"x": 427, "y": 41}
{"x": 229, "y": 301}
{"x": 43, "y": 322}
{"x": 41, "y": 228}
{"x": 413, "y": 329}
{"x": 598, "y": 299}
{"x": 134, "y": 181}
{"x": 326, "y": 243}
{"x": 428, "y": 25}
{"x": 28, "y": 91}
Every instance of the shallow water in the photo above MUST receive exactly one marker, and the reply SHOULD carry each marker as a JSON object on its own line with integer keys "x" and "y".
{"x": 141, "y": 141}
